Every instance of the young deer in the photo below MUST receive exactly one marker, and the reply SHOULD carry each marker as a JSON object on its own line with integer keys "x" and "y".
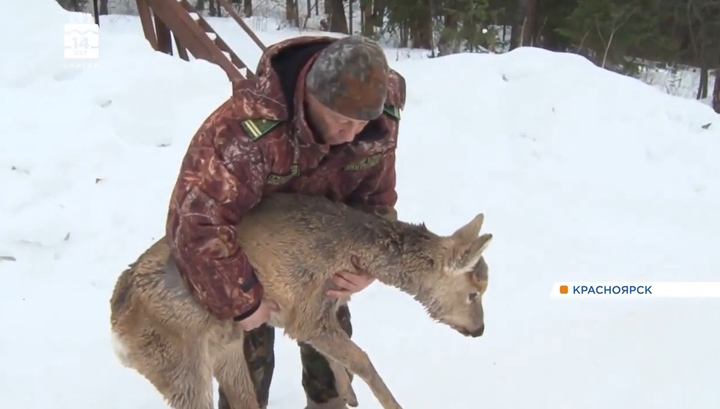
{"x": 296, "y": 243}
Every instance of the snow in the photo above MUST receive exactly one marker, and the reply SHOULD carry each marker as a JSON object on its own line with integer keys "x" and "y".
{"x": 583, "y": 175}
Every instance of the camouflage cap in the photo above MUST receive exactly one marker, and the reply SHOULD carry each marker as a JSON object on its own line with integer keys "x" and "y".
{"x": 350, "y": 76}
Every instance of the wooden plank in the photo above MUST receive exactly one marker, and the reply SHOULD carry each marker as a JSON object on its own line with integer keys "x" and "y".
{"x": 205, "y": 26}
{"x": 146, "y": 21}
{"x": 182, "y": 51}
{"x": 221, "y": 43}
{"x": 231, "y": 11}
{"x": 164, "y": 39}
{"x": 177, "y": 18}
{"x": 234, "y": 57}
{"x": 178, "y": 27}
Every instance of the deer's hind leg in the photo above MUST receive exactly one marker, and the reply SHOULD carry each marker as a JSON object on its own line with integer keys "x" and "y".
{"x": 343, "y": 352}
{"x": 234, "y": 378}
{"x": 182, "y": 375}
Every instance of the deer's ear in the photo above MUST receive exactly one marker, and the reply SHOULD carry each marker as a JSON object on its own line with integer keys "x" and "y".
{"x": 465, "y": 261}
{"x": 466, "y": 234}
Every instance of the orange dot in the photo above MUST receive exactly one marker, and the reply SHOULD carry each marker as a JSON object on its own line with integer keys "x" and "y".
{"x": 563, "y": 289}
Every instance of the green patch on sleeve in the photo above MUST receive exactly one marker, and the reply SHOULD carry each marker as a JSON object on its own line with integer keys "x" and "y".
{"x": 392, "y": 110}
{"x": 275, "y": 179}
{"x": 364, "y": 163}
{"x": 257, "y": 128}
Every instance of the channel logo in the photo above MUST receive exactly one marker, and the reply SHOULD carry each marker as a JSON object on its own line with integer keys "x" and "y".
{"x": 636, "y": 289}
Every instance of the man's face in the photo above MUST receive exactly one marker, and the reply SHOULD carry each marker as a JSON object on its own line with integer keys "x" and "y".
{"x": 335, "y": 128}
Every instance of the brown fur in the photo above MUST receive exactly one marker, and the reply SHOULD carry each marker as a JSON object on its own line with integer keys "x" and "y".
{"x": 296, "y": 243}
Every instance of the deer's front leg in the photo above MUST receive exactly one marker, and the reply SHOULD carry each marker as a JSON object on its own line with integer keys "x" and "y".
{"x": 343, "y": 383}
{"x": 341, "y": 348}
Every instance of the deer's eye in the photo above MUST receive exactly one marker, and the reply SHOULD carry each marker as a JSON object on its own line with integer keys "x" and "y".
{"x": 471, "y": 297}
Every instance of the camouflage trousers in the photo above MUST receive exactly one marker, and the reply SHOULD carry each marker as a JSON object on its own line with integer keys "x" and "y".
{"x": 318, "y": 380}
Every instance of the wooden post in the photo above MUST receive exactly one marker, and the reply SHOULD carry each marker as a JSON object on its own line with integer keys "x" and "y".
{"x": 147, "y": 23}
{"x": 165, "y": 20}
{"x": 164, "y": 37}
{"x": 96, "y": 13}
{"x": 231, "y": 11}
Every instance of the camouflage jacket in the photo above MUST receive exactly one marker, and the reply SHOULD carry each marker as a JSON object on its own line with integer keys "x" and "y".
{"x": 257, "y": 143}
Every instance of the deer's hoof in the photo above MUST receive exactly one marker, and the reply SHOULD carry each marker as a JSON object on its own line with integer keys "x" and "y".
{"x": 350, "y": 399}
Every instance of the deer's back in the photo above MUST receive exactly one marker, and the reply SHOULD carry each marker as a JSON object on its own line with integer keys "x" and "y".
{"x": 296, "y": 242}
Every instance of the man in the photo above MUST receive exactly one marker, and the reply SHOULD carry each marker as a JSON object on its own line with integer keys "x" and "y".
{"x": 321, "y": 118}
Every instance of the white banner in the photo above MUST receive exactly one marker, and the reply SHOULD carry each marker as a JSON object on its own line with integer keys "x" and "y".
{"x": 631, "y": 289}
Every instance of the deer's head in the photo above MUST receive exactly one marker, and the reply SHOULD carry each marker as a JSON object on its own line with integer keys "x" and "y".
{"x": 455, "y": 293}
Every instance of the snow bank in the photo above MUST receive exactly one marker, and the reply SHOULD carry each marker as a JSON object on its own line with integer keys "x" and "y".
{"x": 73, "y": 131}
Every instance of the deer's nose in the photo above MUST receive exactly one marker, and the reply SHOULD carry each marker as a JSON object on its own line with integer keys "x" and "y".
{"x": 478, "y": 332}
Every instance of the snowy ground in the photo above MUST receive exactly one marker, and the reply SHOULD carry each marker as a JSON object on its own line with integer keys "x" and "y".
{"x": 582, "y": 175}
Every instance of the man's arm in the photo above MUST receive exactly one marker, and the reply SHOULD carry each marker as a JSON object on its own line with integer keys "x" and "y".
{"x": 221, "y": 177}
{"x": 376, "y": 193}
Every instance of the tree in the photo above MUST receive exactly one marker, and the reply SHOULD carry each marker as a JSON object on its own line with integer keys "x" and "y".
{"x": 524, "y": 23}
{"x": 606, "y": 31}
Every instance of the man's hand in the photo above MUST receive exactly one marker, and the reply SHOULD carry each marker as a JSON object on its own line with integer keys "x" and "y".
{"x": 350, "y": 282}
{"x": 260, "y": 316}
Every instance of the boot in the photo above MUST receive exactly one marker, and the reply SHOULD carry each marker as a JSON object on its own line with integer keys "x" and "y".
{"x": 334, "y": 403}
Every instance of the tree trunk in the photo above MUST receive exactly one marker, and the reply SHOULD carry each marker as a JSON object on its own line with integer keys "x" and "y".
{"x": 523, "y": 28}
{"x": 716, "y": 92}
{"x": 291, "y": 11}
{"x": 379, "y": 7}
{"x": 366, "y": 9}
{"x": 403, "y": 35}
{"x": 421, "y": 30}
{"x": 702, "y": 91}
{"x": 446, "y": 43}
{"x": 247, "y": 8}
{"x": 350, "y": 17}
{"x": 338, "y": 22}
{"x": 104, "y": 11}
